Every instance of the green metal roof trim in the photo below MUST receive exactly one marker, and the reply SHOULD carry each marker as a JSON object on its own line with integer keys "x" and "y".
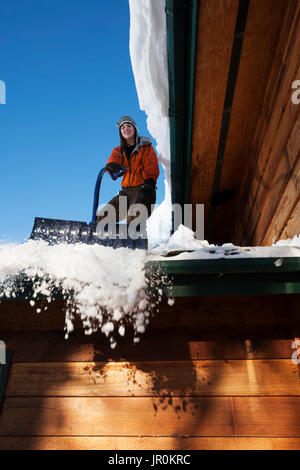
{"x": 240, "y": 276}
{"x": 182, "y": 19}
{"x": 231, "y": 276}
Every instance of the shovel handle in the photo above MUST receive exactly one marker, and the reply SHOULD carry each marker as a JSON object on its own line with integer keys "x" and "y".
{"x": 114, "y": 176}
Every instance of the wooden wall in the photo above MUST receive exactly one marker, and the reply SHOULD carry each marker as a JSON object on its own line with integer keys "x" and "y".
{"x": 270, "y": 196}
{"x": 216, "y": 24}
{"x": 195, "y": 381}
{"x": 261, "y": 160}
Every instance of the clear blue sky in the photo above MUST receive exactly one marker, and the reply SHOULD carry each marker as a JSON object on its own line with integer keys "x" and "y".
{"x": 68, "y": 78}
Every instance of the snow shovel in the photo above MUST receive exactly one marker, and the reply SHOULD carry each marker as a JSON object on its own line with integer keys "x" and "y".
{"x": 55, "y": 231}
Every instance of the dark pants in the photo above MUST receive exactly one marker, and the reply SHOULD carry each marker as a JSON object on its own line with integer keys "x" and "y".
{"x": 131, "y": 196}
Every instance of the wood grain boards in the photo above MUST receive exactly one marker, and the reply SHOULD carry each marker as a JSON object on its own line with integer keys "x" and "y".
{"x": 286, "y": 205}
{"x": 263, "y": 27}
{"x": 197, "y": 416}
{"x": 106, "y": 422}
{"x": 50, "y": 346}
{"x": 264, "y": 22}
{"x": 292, "y": 224}
{"x": 18, "y": 314}
{"x": 280, "y": 168}
{"x": 148, "y": 443}
{"x": 169, "y": 378}
{"x": 216, "y": 25}
{"x": 262, "y": 416}
{"x": 272, "y": 147}
{"x": 222, "y": 311}
{"x": 137, "y": 416}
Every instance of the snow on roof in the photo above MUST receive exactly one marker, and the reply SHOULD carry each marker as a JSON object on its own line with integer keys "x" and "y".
{"x": 184, "y": 243}
{"x": 148, "y": 52}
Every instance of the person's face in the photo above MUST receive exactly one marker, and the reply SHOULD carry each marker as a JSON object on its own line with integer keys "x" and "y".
{"x": 127, "y": 130}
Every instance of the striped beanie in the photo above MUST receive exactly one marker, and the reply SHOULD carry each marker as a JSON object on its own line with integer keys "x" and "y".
{"x": 127, "y": 119}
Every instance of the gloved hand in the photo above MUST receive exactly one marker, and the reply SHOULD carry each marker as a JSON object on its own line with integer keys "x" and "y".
{"x": 113, "y": 167}
{"x": 147, "y": 190}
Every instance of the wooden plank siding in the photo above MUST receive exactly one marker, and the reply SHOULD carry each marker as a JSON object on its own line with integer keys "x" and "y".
{"x": 50, "y": 346}
{"x": 61, "y": 396}
{"x": 262, "y": 147}
{"x": 286, "y": 204}
{"x": 148, "y": 443}
{"x": 201, "y": 318}
{"x": 110, "y": 416}
{"x": 265, "y": 207}
{"x": 246, "y": 377}
{"x": 292, "y": 225}
{"x": 256, "y": 61}
{"x": 216, "y": 25}
{"x": 169, "y": 421}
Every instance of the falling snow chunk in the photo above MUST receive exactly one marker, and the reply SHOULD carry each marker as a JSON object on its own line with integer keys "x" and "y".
{"x": 140, "y": 329}
{"x": 121, "y": 330}
{"x": 117, "y": 314}
{"x": 88, "y": 332}
{"x": 84, "y": 275}
{"x": 107, "y": 328}
{"x": 143, "y": 304}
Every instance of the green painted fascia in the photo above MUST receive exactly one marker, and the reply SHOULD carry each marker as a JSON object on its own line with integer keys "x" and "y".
{"x": 248, "y": 276}
{"x": 231, "y": 265}
{"x": 181, "y": 17}
{"x": 223, "y": 276}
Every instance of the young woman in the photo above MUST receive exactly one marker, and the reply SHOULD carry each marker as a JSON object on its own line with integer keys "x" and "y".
{"x": 137, "y": 155}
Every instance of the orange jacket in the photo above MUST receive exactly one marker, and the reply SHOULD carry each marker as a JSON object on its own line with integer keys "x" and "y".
{"x": 142, "y": 164}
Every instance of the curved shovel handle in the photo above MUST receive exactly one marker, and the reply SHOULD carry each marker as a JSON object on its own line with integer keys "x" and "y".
{"x": 114, "y": 176}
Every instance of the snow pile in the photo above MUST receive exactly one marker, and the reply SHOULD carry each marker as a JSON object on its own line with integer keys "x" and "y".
{"x": 295, "y": 241}
{"x": 183, "y": 245}
{"x": 182, "y": 240}
{"x": 148, "y": 53}
{"x": 107, "y": 288}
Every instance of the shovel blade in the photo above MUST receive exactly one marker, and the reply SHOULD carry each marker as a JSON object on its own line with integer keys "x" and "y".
{"x": 54, "y": 231}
